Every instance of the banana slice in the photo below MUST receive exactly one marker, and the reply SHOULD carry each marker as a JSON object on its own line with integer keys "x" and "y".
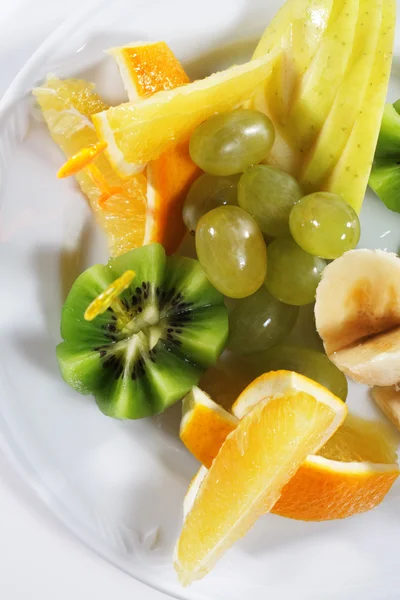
{"x": 388, "y": 400}
{"x": 357, "y": 314}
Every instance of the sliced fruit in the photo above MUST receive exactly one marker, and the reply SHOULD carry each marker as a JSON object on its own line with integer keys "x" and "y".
{"x": 147, "y": 68}
{"x": 67, "y": 106}
{"x": 385, "y": 174}
{"x": 388, "y": 400}
{"x": 357, "y": 314}
{"x": 332, "y": 119}
{"x": 350, "y": 176}
{"x": 138, "y": 133}
{"x": 350, "y": 95}
{"x": 150, "y": 347}
{"x": 317, "y": 90}
{"x": 140, "y": 210}
{"x": 351, "y": 474}
{"x": 298, "y": 29}
{"x": 204, "y": 426}
{"x": 257, "y": 459}
{"x": 169, "y": 179}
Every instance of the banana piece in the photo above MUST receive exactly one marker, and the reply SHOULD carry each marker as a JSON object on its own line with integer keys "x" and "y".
{"x": 388, "y": 400}
{"x": 357, "y": 314}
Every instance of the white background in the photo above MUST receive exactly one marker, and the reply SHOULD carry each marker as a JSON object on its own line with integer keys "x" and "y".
{"x": 38, "y": 558}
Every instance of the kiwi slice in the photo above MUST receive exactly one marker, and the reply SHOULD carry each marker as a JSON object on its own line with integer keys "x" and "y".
{"x": 385, "y": 174}
{"x": 173, "y": 326}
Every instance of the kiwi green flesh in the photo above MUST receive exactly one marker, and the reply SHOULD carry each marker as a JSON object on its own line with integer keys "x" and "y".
{"x": 389, "y": 137}
{"x": 385, "y": 181}
{"x": 176, "y": 326}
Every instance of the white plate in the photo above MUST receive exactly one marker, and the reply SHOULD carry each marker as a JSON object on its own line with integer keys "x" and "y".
{"x": 119, "y": 485}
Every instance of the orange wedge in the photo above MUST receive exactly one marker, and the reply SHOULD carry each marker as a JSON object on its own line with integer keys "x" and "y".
{"x": 205, "y": 426}
{"x": 352, "y": 473}
{"x": 145, "y": 208}
{"x": 67, "y": 106}
{"x": 147, "y": 68}
{"x": 257, "y": 459}
{"x": 138, "y": 132}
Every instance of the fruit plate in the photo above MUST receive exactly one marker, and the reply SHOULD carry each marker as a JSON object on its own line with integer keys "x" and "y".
{"x": 119, "y": 486}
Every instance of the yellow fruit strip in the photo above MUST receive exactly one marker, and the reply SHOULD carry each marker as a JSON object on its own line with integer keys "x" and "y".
{"x": 298, "y": 28}
{"x": 245, "y": 480}
{"x": 344, "y": 112}
{"x": 319, "y": 85}
{"x": 351, "y": 174}
{"x": 138, "y": 133}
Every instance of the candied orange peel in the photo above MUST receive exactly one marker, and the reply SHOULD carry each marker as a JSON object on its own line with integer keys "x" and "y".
{"x": 84, "y": 160}
{"x": 110, "y": 296}
{"x": 81, "y": 160}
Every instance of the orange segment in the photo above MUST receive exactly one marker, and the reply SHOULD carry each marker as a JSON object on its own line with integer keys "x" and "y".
{"x": 144, "y": 208}
{"x": 67, "y": 106}
{"x": 168, "y": 181}
{"x": 204, "y": 426}
{"x": 148, "y": 68}
{"x": 352, "y": 473}
{"x": 257, "y": 459}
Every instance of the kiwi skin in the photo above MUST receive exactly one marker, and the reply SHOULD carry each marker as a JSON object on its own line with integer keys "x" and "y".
{"x": 385, "y": 175}
{"x": 176, "y": 326}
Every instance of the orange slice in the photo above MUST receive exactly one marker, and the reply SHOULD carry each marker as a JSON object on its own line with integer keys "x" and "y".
{"x": 205, "y": 426}
{"x": 257, "y": 459}
{"x": 67, "y": 106}
{"x": 137, "y": 133}
{"x": 146, "y": 69}
{"x": 352, "y": 473}
{"x": 145, "y": 208}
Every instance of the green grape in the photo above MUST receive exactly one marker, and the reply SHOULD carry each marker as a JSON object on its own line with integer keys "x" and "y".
{"x": 293, "y": 275}
{"x": 206, "y": 193}
{"x": 231, "y": 142}
{"x": 269, "y": 195}
{"x": 310, "y": 363}
{"x": 259, "y": 322}
{"x": 232, "y": 251}
{"x": 323, "y": 224}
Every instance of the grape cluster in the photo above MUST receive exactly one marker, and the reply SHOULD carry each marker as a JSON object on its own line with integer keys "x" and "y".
{"x": 239, "y": 207}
